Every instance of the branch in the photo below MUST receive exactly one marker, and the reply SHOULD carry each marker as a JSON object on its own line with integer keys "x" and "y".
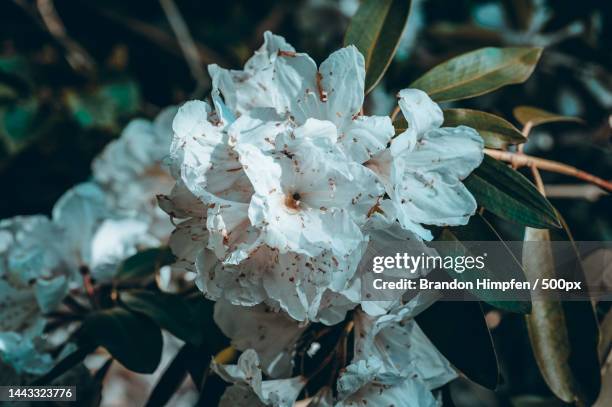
{"x": 395, "y": 113}
{"x": 78, "y": 58}
{"x": 581, "y": 191}
{"x": 156, "y": 35}
{"x": 188, "y": 46}
{"x": 523, "y": 160}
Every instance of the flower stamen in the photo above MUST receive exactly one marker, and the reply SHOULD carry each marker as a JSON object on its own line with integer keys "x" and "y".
{"x": 293, "y": 201}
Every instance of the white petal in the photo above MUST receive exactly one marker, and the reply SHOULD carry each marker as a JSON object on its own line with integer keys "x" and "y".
{"x": 116, "y": 240}
{"x": 307, "y": 198}
{"x": 79, "y": 213}
{"x": 191, "y": 118}
{"x": 274, "y": 77}
{"x": 132, "y": 172}
{"x": 181, "y": 203}
{"x": 259, "y": 127}
{"x": 299, "y": 282}
{"x": 365, "y": 136}
{"x": 232, "y": 237}
{"x": 187, "y": 241}
{"x": 239, "y": 284}
{"x": 271, "y": 334}
{"x": 339, "y": 89}
{"x": 452, "y": 152}
{"x": 247, "y": 373}
{"x": 21, "y": 354}
{"x": 365, "y": 383}
{"x": 427, "y": 180}
{"x": 402, "y": 347}
{"x": 201, "y": 156}
{"x": 421, "y": 113}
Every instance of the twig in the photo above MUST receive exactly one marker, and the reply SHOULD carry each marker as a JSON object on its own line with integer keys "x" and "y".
{"x": 78, "y": 58}
{"x": 581, "y": 191}
{"x": 523, "y": 160}
{"x": 538, "y": 179}
{"x": 395, "y": 113}
{"x": 188, "y": 46}
{"x": 45, "y": 16}
{"x": 88, "y": 285}
{"x": 157, "y": 35}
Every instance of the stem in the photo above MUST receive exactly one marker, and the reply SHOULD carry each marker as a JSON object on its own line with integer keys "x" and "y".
{"x": 523, "y": 160}
{"x": 88, "y": 285}
{"x": 76, "y": 55}
{"x": 538, "y": 180}
{"x": 579, "y": 191}
{"x": 75, "y": 306}
{"x": 187, "y": 44}
{"x": 395, "y": 113}
{"x": 336, "y": 354}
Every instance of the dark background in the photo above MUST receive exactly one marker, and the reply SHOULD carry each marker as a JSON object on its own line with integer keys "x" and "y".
{"x": 55, "y": 117}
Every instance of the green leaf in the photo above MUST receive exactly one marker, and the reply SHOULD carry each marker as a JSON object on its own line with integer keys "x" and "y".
{"x": 173, "y": 377}
{"x": 376, "y": 30}
{"x": 535, "y": 116}
{"x": 131, "y": 338}
{"x": 144, "y": 263}
{"x": 170, "y": 311}
{"x": 478, "y": 230}
{"x": 509, "y": 195}
{"x": 546, "y": 324}
{"x": 564, "y": 335}
{"x": 478, "y": 72}
{"x": 16, "y": 66}
{"x": 64, "y": 365}
{"x": 18, "y": 124}
{"x": 463, "y": 338}
{"x": 582, "y": 326}
{"x": 104, "y": 106}
{"x": 203, "y": 309}
{"x": 496, "y": 131}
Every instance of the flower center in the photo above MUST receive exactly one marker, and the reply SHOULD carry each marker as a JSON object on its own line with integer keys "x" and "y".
{"x": 293, "y": 201}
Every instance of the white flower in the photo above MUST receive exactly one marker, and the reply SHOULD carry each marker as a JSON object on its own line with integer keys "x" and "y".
{"x": 397, "y": 341}
{"x": 271, "y": 334}
{"x": 307, "y": 288}
{"x": 239, "y": 255}
{"x": 202, "y": 158}
{"x": 249, "y": 389}
{"x": 96, "y": 238}
{"x": 41, "y": 259}
{"x": 33, "y": 282}
{"x": 131, "y": 170}
{"x": 308, "y": 197}
{"x": 394, "y": 362}
{"x": 25, "y": 353}
{"x": 423, "y": 169}
{"x": 365, "y": 383}
{"x": 280, "y": 184}
{"x": 277, "y": 77}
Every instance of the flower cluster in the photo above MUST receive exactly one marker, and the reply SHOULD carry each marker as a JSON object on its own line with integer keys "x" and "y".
{"x": 282, "y": 184}
{"x": 93, "y": 228}
{"x": 393, "y": 364}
